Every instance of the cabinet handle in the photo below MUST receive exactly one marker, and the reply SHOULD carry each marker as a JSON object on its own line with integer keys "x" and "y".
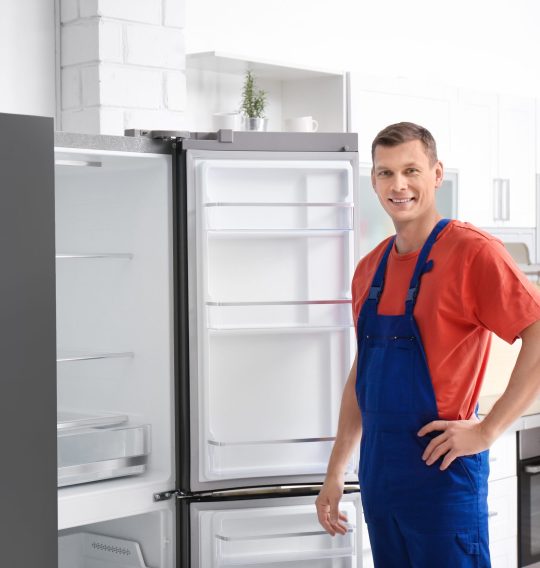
{"x": 492, "y": 514}
{"x": 505, "y": 200}
{"x": 497, "y": 199}
{"x": 532, "y": 469}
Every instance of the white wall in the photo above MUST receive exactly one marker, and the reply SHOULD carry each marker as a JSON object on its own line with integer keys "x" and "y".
{"x": 27, "y": 57}
{"x": 483, "y": 44}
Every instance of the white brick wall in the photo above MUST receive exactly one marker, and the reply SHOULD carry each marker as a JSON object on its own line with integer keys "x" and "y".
{"x": 123, "y": 65}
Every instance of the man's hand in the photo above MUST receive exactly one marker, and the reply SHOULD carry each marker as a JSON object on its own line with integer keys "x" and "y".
{"x": 458, "y": 438}
{"x": 327, "y": 504}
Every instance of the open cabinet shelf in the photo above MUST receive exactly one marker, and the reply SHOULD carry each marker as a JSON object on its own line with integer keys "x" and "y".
{"x": 215, "y": 82}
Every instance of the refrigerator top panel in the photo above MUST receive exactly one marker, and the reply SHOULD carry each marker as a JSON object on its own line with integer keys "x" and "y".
{"x": 253, "y": 141}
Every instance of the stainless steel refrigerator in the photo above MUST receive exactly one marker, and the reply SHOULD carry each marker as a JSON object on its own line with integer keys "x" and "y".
{"x": 203, "y": 336}
{"x": 266, "y": 232}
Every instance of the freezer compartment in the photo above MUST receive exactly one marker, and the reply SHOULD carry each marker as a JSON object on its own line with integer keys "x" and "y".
{"x": 262, "y": 266}
{"x": 140, "y": 541}
{"x": 272, "y": 532}
{"x": 92, "y": 454}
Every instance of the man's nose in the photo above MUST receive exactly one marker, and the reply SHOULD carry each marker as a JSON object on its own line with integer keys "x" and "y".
{"x": 399, "y": 182}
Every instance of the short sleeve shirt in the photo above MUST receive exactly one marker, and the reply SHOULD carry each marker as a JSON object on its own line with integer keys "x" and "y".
{"x": 474, "y": 288}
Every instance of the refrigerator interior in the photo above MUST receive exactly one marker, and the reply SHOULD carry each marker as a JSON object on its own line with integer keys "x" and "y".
{"x": 271, "y": 264}
{"x": 279, "y": 531}
{"x": 114, "y": 333}
{"x": 139, "y": 541}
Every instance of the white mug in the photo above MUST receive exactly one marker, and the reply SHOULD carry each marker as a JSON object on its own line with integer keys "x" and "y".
{"x": 301, "y": 124}
{"x": 227, "y": 120}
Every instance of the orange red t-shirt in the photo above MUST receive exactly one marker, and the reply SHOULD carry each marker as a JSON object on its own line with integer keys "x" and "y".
{"x": 474, "y": 289}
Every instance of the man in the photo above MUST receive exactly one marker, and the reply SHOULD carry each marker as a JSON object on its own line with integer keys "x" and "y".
{"x": 425, "y": 303}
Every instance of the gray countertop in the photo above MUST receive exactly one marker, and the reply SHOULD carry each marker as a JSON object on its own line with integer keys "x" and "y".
{"x": 114, "y": 143}
{"x": 529, "y": 419}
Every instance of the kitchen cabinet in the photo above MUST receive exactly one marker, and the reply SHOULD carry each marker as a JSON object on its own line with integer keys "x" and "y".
{"x": 376, "y": 102}
{"x": 502, "y": 502}
{"x": 497, "y": 160}
{"x": 215, "y": 81}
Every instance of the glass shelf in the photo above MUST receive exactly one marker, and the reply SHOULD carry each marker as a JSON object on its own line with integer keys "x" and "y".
{"x": 280, "y": 303}
{"x": 346, "y": 205}
{"x": 118, "y": 255}
{"x": 72, "y": 356}
{"x": 277, "y": 232}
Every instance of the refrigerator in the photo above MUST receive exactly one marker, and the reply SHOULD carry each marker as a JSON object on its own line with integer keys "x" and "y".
{"x": 194, "y": 291}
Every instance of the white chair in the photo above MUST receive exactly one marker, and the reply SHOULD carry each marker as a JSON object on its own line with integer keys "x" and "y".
{"x": 520, "y": 253}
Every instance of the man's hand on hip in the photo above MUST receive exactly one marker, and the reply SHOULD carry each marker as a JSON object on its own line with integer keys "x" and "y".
{"x": 457, "y": 438}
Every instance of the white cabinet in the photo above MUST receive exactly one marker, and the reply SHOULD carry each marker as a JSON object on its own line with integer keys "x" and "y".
{"x": 377, "y": 102}
{"x": 496, "y": 160}
{"x": 215, "y": 81}
{"x": 504, "y": 553}
{"x": 502, "y": 502}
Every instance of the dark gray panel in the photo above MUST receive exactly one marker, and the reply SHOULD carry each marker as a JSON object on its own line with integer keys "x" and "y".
{"x": 28, "y": 515}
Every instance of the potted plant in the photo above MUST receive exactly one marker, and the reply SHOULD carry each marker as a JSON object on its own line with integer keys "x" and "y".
{"x": 253, "y": 104}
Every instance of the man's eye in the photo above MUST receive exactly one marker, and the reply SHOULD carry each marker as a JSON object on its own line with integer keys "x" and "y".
{"x": 383, "y": 173}
{"x": 412, "y": 170}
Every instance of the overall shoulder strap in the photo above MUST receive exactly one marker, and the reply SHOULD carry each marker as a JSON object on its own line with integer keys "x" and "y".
{"x": 377, "y": 284}
{"x": 422, "y": 266}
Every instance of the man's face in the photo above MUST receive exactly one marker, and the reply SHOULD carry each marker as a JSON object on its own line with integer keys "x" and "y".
{"x": 405, "y": 181}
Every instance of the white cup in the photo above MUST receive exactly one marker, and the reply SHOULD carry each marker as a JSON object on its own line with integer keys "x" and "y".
{"x": 301, "y": 124}
{"x": 227, "y": 120}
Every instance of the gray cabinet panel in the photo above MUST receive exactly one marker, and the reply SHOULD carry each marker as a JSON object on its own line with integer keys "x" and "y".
{"x": 27, "y": 343}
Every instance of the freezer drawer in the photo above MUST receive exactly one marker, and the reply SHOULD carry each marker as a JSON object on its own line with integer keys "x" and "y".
{"x": 272, "y": 532}
{"x": 91, "y": 454}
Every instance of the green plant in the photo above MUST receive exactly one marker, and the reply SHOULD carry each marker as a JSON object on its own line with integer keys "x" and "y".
{"x": 253, "y": 103}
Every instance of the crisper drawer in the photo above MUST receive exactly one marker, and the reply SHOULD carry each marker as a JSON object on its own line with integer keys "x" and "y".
{"x": 91, "y": 454}
{"x": 272, "y": 532}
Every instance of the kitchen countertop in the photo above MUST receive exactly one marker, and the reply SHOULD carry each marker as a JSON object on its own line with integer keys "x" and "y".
{"x": 529, "y": 419}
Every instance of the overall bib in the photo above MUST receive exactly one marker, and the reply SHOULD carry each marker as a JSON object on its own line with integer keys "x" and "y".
{"x": 417, "y": 515}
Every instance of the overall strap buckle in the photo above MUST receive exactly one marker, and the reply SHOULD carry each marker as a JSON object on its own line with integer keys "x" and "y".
{"x": 375, "y": 293}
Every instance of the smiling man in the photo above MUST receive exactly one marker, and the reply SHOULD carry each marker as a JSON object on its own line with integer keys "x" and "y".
{"x": 425, "y": 303}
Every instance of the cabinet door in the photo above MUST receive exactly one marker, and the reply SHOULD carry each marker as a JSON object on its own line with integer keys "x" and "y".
{"x": 502, "y": 505}
{"x": 27, "y": 343}
{"x": 477, "y": 158}
{"x": 375, "y": 103}
{"x": 517, "y": 161}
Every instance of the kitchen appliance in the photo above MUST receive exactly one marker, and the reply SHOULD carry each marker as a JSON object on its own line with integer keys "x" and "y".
{"x": 204, "y": 333}
{"x": 529, "y": 497}
{"x": 267, "y": 239}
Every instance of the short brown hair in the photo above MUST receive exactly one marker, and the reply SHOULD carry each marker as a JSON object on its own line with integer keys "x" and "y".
{"x": 405, "y": 132}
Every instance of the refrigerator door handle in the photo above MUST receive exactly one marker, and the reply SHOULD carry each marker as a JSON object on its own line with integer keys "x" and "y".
{"x": 350, "y": 529}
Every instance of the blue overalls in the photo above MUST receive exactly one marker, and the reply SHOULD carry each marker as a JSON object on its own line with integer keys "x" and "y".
{"x": 417, "y": 515}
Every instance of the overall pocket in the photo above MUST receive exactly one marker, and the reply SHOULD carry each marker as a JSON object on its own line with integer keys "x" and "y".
{"x": 386, "y": 376}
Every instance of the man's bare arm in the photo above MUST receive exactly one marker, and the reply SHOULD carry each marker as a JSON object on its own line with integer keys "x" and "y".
{"x": 466, "y": 437}
{"x": 347, "y": 440}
